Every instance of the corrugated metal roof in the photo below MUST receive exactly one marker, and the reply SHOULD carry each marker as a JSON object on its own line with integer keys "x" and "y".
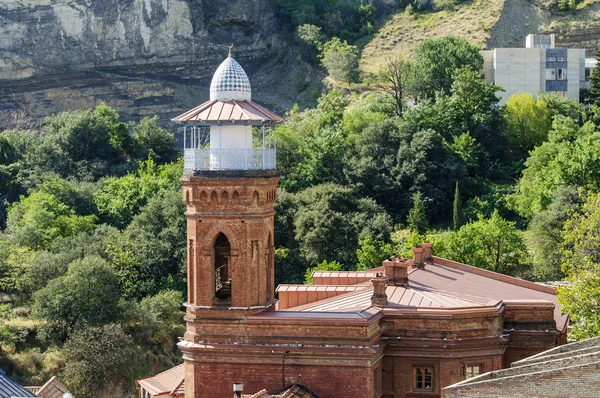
{"x": 234, "y": 111}
{"x": 10, "y": 389}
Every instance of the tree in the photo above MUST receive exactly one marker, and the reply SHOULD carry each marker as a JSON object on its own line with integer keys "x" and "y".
{"x": 570, "y": 157}
{"x": 494, "y": 244}
{"x": 528, "y": 121}
{"x": 581, "y": 250}
{"x": 592, "y": 95}
{"x": 544, "y": 235}
{"x": 438, "y": 59}
{"x": 94, "y": 357}
{"x": 86, "y": 143}
{"x": 150, "y": 140}
{"x": 340, "y": 59}
{"x": 371, "y": 253}
{"x": 119, "y": 198}
{"x": 396, "y": 76}
{"x": 37, "y": 220}
{"x": 323, "y": 266}
{"x": 417, "y": 219}
{"x": 331, "y": 220}
{"x": 149, "y": 256}
{"x": 88, "y": 294}
{"x": 456, "y": 210}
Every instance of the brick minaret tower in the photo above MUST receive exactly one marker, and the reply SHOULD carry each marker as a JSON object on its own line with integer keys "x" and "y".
{"x": 229, "y": 187}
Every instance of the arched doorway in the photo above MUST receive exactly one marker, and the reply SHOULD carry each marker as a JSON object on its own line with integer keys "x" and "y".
{"x": 222, "y": 271}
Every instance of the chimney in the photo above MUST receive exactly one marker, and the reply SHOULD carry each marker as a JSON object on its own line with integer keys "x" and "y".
{"x": 396, "y": 271}
{"x": 418, "y": 256}
{"x": 238, "y": 389}
{"x": 427, "y": 252}
{"x": 379, "y": 298}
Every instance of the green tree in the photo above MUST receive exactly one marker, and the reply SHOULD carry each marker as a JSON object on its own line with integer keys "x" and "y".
{"x": 494, "y": 244}
{"x": 581, "y": 249}
{"x": 95, "y": 357}
{"x": 570, "y": 157}
{"x": 331, "y": 220}
{"x": 371, "y": 253}
{"x": 456, "y": 210}
{"x": 37, "y": 220}
{"x": 85, "y": 143}
{"x": 119, "y": 198}
{"x": 88, "y": 294}
{"x": 149, "y": 255}
{"x": 438, "y": 59}
{"x": 417, "y": 219}
{"x": 341, "y": 60}
{"x": 150, "y": 140}
{"x": 544, "y": 235}
{"x": 528, "y": 121}
{"x": 592, "y": 95}
{"x": 323, "y": 266}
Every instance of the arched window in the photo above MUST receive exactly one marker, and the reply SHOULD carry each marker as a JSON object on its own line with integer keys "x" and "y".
{"x": 255, "y": 197}
{"x": 224, "y": 195}
{"x": 270, "y": 259}
{"x": 203, "y": 196}
{"x": 214, "y": 196}
{"x": 222, "y": 271}
{"x": 236, "y": 195}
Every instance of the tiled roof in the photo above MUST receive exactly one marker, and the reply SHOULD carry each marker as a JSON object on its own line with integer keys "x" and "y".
{"x": 10, "y": 389}
{"x": 214, "y": 111}
{"x": 52, "y": 389}
{"x": 294, "y": 391}
{"x": 230, "y": 82}
{"x": 168, "y": 382}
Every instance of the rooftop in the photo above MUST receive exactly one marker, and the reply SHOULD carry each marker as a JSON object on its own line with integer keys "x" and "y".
{"x": 10, "y": 389}
{"x": 441, "y": 284}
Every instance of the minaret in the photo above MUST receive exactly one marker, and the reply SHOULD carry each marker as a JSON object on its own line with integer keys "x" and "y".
{"x": 229, "y": 187}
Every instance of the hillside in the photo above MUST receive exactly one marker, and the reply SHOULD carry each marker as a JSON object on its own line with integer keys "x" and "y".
{"x": 487, "y": 23}
{"x": 156, "y": 57}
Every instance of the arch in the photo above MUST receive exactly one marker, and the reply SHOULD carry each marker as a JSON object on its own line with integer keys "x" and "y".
{"x": 203, "y": 196}
{"x": 269, "y": 265}
{"x": 214, "y": 196}
{"x": 255, "y": 197}
{"x": 224, "y": 195}
{"x": 222, "y": 270}
{"x": 187, "y": 197}
{"x": 235, "y": 195}
{"x": 274, "y": 195}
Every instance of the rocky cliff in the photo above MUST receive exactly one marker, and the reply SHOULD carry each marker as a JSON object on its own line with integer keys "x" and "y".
{"x": 144, "y": 57}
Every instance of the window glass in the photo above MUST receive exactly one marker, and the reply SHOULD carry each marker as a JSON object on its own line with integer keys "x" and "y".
{"x": 550, "y": 74}
{"x": 472, "y": 371}
{"x": 423, "y": 378}
{"x": 562, "y": 74}
{"x": 551, "y": 59}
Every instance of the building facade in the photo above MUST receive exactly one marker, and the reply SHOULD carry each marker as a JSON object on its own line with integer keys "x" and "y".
{"x": 539, "y": 67}
{"x": 406, "y": 329}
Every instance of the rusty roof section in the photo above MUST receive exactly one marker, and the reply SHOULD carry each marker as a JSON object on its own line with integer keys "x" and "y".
{"x": 169, "y": 382}
{"x": 213, "y": 111}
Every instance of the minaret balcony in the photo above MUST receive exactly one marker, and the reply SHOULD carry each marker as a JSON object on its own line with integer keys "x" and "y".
{"x": 229, "y": 159}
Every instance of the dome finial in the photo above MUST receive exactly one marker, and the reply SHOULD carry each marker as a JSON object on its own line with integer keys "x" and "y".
{"x": 230, "y": 48}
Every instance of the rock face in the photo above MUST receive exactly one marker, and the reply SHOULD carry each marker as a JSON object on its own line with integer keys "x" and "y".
{"x": 143, "y": 57}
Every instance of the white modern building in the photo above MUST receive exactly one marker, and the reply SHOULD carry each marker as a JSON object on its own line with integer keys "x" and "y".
{"x": 540, "y": 66}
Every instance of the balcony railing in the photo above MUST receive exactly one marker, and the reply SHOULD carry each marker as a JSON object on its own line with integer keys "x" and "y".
{"x": 229, "y": 159}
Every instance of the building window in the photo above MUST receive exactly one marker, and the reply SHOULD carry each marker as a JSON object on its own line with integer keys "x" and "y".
{"x": 551, "y": 59}
{"x": 550, "y": 74}
{"x": 562, "y": 59}
{"x": 423, "y": 378}
{"x": 562, "y": 74}
{"x": 473, "y": 370}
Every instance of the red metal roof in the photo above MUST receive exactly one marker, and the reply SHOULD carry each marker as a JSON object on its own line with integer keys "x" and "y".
{"x": 169, "y": 382}
{"x": 233, "y": 111}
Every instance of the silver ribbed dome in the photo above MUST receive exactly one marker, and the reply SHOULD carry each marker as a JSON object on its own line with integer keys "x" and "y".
{"x": 230, "y": 82}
